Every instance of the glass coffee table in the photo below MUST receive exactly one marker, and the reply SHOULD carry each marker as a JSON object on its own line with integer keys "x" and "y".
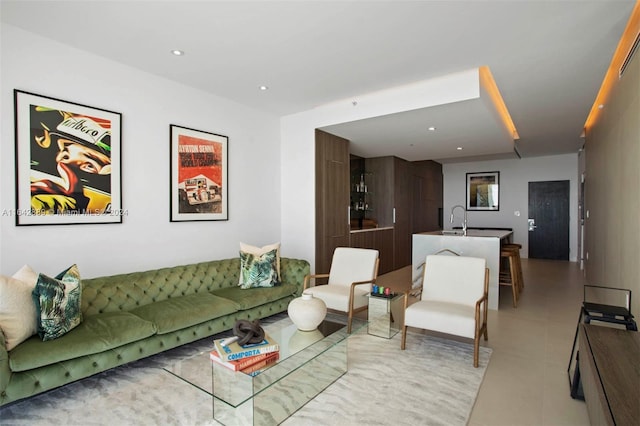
{"x": 309, "y": 362}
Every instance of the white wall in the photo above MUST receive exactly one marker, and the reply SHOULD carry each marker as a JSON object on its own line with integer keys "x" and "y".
{"x": 149, "y": 104}
{"x": 515, "y": 176}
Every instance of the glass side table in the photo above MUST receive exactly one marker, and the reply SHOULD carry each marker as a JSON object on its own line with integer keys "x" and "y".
{"x": 385, "y": 315}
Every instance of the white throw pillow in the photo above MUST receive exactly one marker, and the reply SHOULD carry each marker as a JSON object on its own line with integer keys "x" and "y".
{"x": 18, "y": 317}
{"x": 259, "y": 251}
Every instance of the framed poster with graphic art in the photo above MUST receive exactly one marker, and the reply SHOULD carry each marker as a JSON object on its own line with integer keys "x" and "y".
{"x": 68, "y": 162}
{"x": 198, "y": 175}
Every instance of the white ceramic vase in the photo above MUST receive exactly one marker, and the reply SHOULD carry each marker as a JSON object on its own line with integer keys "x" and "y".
{"x": 307, "y": 312}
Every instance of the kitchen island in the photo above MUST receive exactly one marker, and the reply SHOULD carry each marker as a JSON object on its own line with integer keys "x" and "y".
{"x": 483, "y": 243}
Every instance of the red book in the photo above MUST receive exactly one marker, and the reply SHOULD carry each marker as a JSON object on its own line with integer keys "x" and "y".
{"x": 241, "y": 363}
{"x": 260, "y": 366}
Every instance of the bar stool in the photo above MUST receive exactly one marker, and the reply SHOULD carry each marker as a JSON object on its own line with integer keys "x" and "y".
{"x": 509, "y": 276}
{"x": 516, "y": 248}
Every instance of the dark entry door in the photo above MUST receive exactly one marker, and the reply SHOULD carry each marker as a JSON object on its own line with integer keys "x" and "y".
{"x": 549, "y": 220}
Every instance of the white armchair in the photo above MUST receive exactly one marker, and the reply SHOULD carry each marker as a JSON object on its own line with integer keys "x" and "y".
{"x": 353, "y": 271}
{"x": 453, "y": 301}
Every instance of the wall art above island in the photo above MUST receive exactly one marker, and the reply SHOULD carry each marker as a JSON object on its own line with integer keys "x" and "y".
{"x": 68, "y": 162}
{"x": 198, "y": 175}
{"x": 483, "y": 191}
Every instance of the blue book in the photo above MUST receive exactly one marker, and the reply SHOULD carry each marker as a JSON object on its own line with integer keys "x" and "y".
{"x": 232, "y": 351}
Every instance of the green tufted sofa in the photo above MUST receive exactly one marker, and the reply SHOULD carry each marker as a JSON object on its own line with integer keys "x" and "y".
{"x": 127, "y": 317}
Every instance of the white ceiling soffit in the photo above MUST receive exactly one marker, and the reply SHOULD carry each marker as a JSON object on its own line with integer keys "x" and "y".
{"x": 548, "y": 57}
{"x": 468, "y": 124}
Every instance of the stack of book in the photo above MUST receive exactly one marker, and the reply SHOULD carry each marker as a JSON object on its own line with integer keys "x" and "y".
{"x": 250, "y": 359}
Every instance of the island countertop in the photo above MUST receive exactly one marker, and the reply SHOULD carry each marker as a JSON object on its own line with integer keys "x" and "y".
{"x": 496, "y": 233}
{"x": 484, "y": 243}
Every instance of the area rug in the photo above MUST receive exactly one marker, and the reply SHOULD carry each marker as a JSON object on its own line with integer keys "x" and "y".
{"x": 432, "y": 382}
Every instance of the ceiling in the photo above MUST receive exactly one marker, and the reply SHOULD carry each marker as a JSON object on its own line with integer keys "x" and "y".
{"x": 548, "y": 59}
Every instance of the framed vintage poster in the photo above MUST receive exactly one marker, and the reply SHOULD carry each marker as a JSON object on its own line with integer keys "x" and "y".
{"x": 483, "y": 191}
{"x": 198, "y": 175}
{"x": 68, "y": 160}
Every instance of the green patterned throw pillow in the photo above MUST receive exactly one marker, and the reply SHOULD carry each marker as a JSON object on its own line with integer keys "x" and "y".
{"x": 259, "y": 270}
{"x": 57, "y": 303}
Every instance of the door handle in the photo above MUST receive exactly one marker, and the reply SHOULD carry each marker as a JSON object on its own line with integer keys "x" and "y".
{"x": 532, "y": 224}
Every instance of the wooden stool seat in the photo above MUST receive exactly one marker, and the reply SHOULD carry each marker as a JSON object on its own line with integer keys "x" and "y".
{"x": 516, "y": 248}
{"x": 510, "y": 277}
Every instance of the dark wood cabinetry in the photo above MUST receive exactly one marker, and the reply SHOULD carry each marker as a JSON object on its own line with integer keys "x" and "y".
{"x": 403, "y": 196}
{"x": 332, "y": 197}
{"x": 403, "y": 214}
{"x": 380, "y": 239}
{"x": 409, "y": 199}
{"x": 426, "y": 200}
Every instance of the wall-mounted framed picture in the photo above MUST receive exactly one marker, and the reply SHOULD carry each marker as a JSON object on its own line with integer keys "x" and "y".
{"x": 483, "y": 191}
{"x": 199, "y": 170}
{"x": 68, "y": 162}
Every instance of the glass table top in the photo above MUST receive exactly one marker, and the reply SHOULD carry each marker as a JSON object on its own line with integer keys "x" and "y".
{"x": 296, "y": 348}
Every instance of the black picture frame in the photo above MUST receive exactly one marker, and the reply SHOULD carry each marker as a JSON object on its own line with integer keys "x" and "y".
{"x": 198, "y": 177}
{"x": 483, "y": 191}
{"x": 68, "y": 160}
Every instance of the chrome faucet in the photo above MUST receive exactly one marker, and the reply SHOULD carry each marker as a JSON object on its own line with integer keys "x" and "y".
{"x": 464, "y": 222}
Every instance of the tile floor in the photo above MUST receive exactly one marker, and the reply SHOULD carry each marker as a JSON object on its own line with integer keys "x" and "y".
{"x": 526, "y": 382}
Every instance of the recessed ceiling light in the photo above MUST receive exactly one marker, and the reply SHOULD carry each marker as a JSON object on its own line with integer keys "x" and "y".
{"x": 432, "y": 129}
{"x": 459, "y": 148}
{"x": 177, "y": 52}
{"x": 263, "y": 87}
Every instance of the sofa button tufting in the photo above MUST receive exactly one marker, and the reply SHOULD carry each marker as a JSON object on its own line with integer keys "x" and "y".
{"x": 95, "y": 364}
{"x": 67, "y": 374}
{"x": 37, "y": 383}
